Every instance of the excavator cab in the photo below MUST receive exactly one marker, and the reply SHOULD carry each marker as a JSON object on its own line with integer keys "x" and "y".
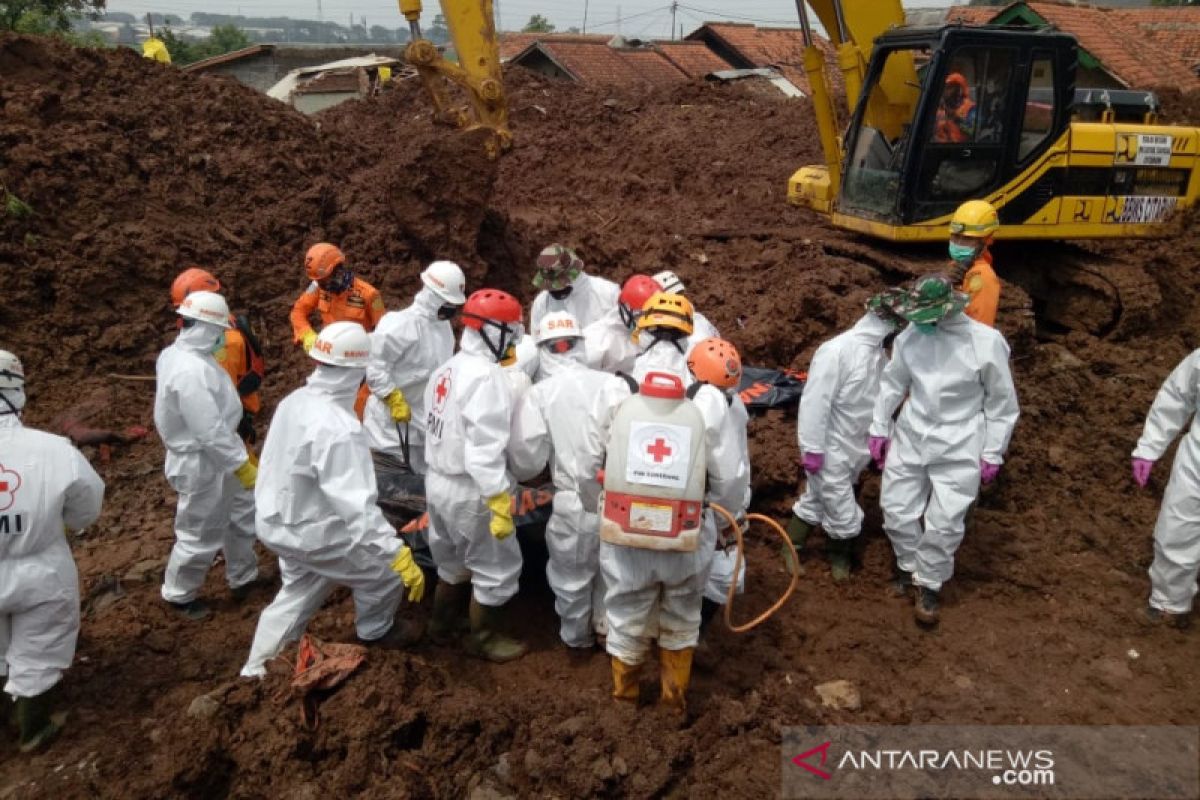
{"x": 950, "y": 114}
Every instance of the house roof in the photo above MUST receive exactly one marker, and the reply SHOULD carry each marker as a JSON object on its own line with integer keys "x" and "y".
{"x": 225, "y": 58}
{"x": 971, "y": 15}
{"x": 1115, "y": 40}
{"x": 694, "y": 58}
{"x": 511, "y": 44}
{"x": 748, "y": 46}
{"x": 599, "y": 63}
{"x": 1176, "y": 29}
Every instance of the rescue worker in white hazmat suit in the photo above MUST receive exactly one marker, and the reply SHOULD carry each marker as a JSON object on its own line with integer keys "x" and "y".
{"x": 406, "y": 347}
{"x": 663, "y": 332}
{"x": 832, "y": 430}
{"x": 717, "y": 363}
{"x": 1177, "y": 532}
{"x": 551, "y": 425}
{"x": 469, "y": 415}
{"x": 951, "y": 434}
{"x": 566, "y": 287}
{"x": 610, "y": 341}
{"x": 47, "y": 487}
{"x": 651, "y": 594}
{"x": 316, "y": 509}
{"x": 196, "y": 412}
{"x": 702, "y": 328}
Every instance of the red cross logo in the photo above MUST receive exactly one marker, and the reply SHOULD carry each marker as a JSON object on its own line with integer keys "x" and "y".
{"x": 441, "y": 390}
{"x": 10, "y": 481}
{"x": 659, "y": 450}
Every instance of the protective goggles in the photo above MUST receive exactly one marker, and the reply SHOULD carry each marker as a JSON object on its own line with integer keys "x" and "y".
{"x": 555, "y": 280}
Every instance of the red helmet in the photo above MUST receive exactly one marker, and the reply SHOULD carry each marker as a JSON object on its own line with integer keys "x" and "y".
{"x": 322, "y": 259}
{"x": 490, "y": 305}
{"x": 636, "y": 290}
{"x": 716, "y": 361}
{"x": 192, "y": 279}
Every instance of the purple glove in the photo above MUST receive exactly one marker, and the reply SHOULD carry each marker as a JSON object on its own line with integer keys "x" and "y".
{"x": 878, "y": 445}
{"x": 1141, "y": 471}
{"x": 813, "y": 462}
{"x": 988, "y": 472}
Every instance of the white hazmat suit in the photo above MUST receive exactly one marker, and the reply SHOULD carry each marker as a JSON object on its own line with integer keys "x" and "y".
{"x": 720, "y": 574}
{"x": 553, "y": 423}
{"x": 961, "y": 408}
{"x": 196, "y": 412}
{"x": 469, "y": 404}
{"x": 316, "y": 511}
{"x": 654, "y": 594}
{"x": 835, "y": 419}
{"x": 609, "y": 345}
{"x": 590, "y": 299}
{"x": 45, "y": 484}
{"x": 406, "y": 347}
{"x": 1177, "y": 532}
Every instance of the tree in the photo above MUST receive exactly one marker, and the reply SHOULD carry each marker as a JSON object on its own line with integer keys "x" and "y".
{"x": 44, "y": 16}
{"x": 538, "y": 24}
{"x": 223, "y": 39}
{"x": 438, "y": 32}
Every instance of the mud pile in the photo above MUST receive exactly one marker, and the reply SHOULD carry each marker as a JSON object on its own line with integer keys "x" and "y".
{"x": 134, "y": 170}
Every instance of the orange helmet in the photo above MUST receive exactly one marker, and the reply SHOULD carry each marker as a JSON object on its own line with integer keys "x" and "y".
{"x": 192, "y": 279}
{"x": 959, "y": 80}
{"x": 322, "y": 259}
{"x": 716, "y": 361}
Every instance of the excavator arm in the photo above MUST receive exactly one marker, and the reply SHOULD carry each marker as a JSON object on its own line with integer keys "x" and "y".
{"x": 477, "y": 73}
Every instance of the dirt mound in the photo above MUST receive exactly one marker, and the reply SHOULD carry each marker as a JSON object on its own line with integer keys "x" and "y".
{"x": 134, "y": 170}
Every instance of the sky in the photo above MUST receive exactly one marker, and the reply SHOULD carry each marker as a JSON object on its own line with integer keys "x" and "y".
{"x": 648, "y": 19}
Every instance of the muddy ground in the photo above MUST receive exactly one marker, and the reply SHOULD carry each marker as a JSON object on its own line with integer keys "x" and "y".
{"x": 133, "y": 170}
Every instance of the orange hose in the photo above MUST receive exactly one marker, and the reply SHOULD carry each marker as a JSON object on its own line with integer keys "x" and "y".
{"x": 737, "y": 567}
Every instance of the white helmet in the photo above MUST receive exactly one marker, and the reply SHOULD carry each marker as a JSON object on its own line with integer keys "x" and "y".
{"x": 446, "y": 280}
{"x": 207, "y": 307}
{"x": 557, "y": 325}
{"x": 12, "y": 374}
{"x": 342, "y": 344}
{"x": 669, "y": 282}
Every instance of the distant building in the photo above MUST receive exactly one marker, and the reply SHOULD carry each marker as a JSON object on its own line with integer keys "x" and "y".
{"x": 261, "y": 66}
{"x": 609, "y": 61}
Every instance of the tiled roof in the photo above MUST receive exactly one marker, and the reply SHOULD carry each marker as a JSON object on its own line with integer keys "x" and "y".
{"x": 1176, "y": 29}
{"x": 694, "y": 58}
{"x": 225, "y": 58}
{"x": 781, "y": 48}
{"x": 511, "y": 44}
{"x": 971, "y": 15}
{"x": 1120, "y": 45}
{"x": 598, "y": 63}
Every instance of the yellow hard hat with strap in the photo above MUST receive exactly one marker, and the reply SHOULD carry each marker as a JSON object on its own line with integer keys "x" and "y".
{"x": 975, "y": 218}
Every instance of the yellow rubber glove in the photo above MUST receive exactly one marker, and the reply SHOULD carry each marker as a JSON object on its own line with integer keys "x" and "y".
{"x": 398, "y": 406}
{"x": 247, "y": 474}
{"x": 502, "y": 522}
{"x": 404, "y": 566}
{"x": 307, "y": 340}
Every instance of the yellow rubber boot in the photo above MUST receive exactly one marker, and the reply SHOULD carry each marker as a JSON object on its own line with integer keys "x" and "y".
{"x": 675, "y": 667}
{"x": 625, "y": 680}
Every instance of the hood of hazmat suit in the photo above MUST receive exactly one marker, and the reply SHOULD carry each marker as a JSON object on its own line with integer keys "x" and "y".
{"x": 590, "y": 299}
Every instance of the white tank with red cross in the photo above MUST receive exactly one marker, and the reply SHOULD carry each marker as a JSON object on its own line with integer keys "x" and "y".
{"x": 655, "y": 469}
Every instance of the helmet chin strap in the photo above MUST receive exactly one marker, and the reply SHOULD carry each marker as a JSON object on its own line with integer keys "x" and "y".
{"x": 12, "y": 409}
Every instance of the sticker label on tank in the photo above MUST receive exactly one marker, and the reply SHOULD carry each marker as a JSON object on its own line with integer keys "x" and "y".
{"x": 646, "y": 517}
{"x": 1145, "y": 209}
{"x": 659, "y": 454}
{"x": 1145, "y": 149}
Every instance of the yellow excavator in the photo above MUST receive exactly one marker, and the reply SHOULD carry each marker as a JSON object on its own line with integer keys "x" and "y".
{"x": 473, "y": 31}
{"x": 940, "y": 115}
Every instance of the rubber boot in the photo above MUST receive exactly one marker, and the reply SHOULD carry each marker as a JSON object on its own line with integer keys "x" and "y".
{"x": 675, "y": 667}
{"x": 901, "y": 582}
{"x": 449, "y": 617}
{"x": 708, "y": 612}
{"x": 925, "y": 610}
{"x": 38, "y": 724}
{"x": 798, "y": 531}
{"x": 840, "y": 552}
{"x": 402, "y": 635}
{"x": 625, "y": 680}
{"x": 195, "y": 610}
{"x": 1155, "y": 616}
{"x": 485, "y": 639}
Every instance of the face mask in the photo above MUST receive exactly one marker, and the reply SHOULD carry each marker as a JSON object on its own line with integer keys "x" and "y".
{"x": 338, "y": 282}
{"x": 561, "y": 294}
{"x": 926, "y": 328}
{"x": 447, "y": 313}
{"x": 962, "y": 252}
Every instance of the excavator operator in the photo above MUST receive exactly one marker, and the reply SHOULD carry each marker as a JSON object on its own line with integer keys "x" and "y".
{"x": 956, "y": 116}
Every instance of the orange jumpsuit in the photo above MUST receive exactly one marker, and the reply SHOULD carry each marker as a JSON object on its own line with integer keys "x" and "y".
{"x": 983, "y": 287}
{"x": 231, "y": 355}
{"x": 360, "y": 303}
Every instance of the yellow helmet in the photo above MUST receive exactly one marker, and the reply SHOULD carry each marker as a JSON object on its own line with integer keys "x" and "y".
{"x": 665, "y": 310}
{"x": 975, "y": 218}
